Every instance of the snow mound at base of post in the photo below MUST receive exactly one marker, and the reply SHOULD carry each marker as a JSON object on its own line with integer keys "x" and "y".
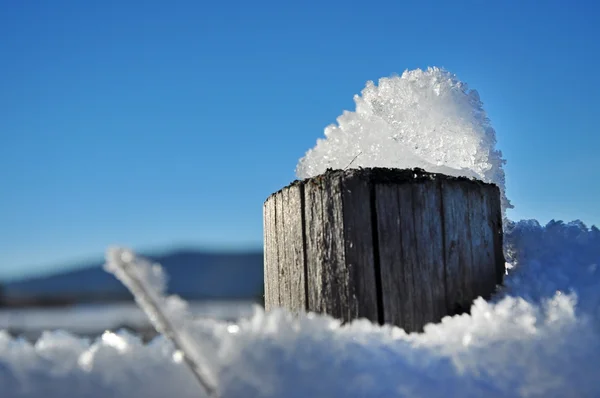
{"x": 539, "y": 338}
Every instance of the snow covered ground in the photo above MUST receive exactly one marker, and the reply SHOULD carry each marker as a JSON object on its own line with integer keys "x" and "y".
{"x": 539, "y": 337}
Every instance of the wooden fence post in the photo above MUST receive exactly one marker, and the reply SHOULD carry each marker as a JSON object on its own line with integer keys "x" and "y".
{"x": 404, "y": 247}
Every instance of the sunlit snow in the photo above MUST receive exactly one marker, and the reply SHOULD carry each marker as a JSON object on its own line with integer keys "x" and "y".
{"x": 427, "y": 119}
{"x": 530, "y": 341}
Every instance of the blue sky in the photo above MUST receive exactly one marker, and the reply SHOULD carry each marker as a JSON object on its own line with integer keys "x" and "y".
{"x": 166, "y": 124}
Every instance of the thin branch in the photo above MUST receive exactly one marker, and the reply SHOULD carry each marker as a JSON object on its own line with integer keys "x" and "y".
{"x": 352, "y": 161}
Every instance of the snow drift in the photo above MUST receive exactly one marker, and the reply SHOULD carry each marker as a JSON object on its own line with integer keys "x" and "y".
{"x": 540, "y": 338}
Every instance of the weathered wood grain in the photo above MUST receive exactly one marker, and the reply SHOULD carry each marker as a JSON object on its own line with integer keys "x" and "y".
{"x": 359, "y": 247}
{"x": 271, "y": 266}
{"x": 482, "y": 251}
{"x": 314, "y": 233}
{"x": 410, "y": 258}
{"x": 394, "y": 246}
{"x": 427, "y": 205}
{"x": 339, "y": 248}
{"x": 333, "y": 268}
{"x": 488, "y": 269}
{"x": 281, "y": 252}
{"x": 291, "y": 253}
{"x": 457, "y": 243}
{"x": 396, "y": 288}
{"x": 327, "y": 271}
{"x": 496, "y": 214}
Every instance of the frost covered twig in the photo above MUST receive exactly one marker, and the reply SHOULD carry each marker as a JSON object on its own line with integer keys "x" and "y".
{"x": 147, "y": 284}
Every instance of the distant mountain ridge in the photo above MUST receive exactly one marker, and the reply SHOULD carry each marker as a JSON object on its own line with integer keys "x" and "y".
{"x": 194, "y": 275}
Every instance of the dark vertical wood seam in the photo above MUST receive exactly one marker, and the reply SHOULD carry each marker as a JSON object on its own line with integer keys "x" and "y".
{"x": 323, "y": 254}
{"x": 417, "y": 264}
{"x": 304, "y": 261}
{"x": 473, "y": 281}
{"x": 403, "y": 315}
{"x": 449, "y": 306}
{"x": 349, "y": 277}
{"x": 376, "y": 255}
{"x": 500, "y": 259}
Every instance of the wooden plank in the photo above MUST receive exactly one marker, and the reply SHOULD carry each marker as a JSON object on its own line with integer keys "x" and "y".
{"x": 410, "y": 261}
{"x": 270, "y": 255}
{"x": 488, "y": 266}
{"x": 475, "y": 218}
{"x": 397, "y": 304}
{"x": 313, "y": 214}
{"x": 359, "y": 250}
{"x": 282, "y": 267}
{"x": 292, "y": 279}
{"x": 329, "y": 283}
{"x": 337, "y": 299}
{"x": 481, "y": 249}
{"x": 457, "y": 243}
{"x": 427, "y": 208}
{"x": 496, "y": 209}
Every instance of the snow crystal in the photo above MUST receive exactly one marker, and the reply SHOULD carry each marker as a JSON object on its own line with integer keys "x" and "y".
{"x": 427, "y": 119}
{"x": 539, "y": 338}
